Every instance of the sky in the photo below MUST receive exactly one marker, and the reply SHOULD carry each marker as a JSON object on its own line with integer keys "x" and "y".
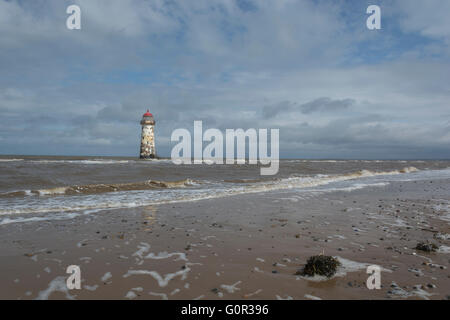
{"x": 310, "y": 68}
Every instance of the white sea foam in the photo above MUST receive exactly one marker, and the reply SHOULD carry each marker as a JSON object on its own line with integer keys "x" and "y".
{"x": 92, "y": 161}
{"x": 345, "y": 267}
{"x": 106, "y": 276}
{"x": 353, "y": 266}
{"x": 165, "y": 255}
{"x": 442, "y": 236}
{"x": 90, "y": 288}
{"x": 286, "y": 297}
{"x": 130, "y": 295}
{"x": 56, "y": 285}
{"x": 444, "y": 249}
{"x": 33, "y": 219}
{"x": 143, "y": 248}
{"x": 248, "y": 295}
{"x": 444, "y": 210}
{"x": 71, "y": 206}
{"x": 163, "y": 296}
{"x": 175, "y": 291}
{"x": 95, "y": 161}
{"x": 398, "y": 292}
{"x": 231, "y": 288}
{"x": 310, "y": 297}
{"x": 162, "y": 280}
{"x": 53, "y": 191}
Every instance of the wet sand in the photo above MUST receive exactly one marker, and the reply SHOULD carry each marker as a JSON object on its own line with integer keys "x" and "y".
{"x": 240, "y": 247}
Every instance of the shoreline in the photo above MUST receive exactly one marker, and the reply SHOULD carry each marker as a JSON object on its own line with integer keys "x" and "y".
{"x": 240, "y": 247}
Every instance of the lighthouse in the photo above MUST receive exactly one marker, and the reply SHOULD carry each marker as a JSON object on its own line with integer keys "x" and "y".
{"x": 148, "y": 150}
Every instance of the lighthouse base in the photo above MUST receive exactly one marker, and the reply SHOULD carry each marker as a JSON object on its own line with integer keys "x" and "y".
{"x": 151, "y": 156}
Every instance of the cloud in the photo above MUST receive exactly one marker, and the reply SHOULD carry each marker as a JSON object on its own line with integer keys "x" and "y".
{"x": 428, "y": 18}
{"x": 272, "y": 111}
{"x": 310, "y": 68}
{"x": 325, "y": 104}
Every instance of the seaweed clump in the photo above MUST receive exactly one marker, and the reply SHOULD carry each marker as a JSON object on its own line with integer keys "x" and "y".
{"x": 320, "y": 265}
{"x": 427, "y": 247}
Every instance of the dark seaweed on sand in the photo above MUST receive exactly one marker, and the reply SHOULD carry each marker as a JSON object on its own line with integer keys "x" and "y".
{"x": 427, "y": 247}
{"x": 321, "y": 265}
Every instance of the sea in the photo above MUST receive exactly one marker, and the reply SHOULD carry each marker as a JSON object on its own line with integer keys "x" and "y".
{"x": 47, "y": 188}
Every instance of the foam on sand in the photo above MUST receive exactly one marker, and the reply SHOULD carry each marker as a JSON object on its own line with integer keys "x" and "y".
{"x": 310, "y": 297}
{"x": 162, "y": 280}
{"x": 231, "y": 288}
{"x": 143, "y": 248}
{"x": 398, "y": 292}
{"x": 106, "y": 276}
{"x": 287, "y": 297}
{"x": 130, "y": 295}
{"x": 56, "y": 285}
{"x": 444, "y": 249}
{"x": 345, "y": 267}
{"x": 90, "y": 288}
{"x": 165, "y": 255}
{"x": 163, "y": 296}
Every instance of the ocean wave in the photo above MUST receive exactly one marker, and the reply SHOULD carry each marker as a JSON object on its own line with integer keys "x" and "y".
{"x": 95, "y": 161}
{"x": 249, "y": 185}
{"x": 293, "y": 182}
{"x": 104, "y": 188}
{"x": 320, "y": 179}
{"x": 10, "y": 160}
{"x": 250, "y": 180}
{"x": 90, "y": 197}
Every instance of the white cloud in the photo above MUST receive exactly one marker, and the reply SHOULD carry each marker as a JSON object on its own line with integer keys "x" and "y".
{"x": 429, "y": 18}
{"x": 261, "y": 64}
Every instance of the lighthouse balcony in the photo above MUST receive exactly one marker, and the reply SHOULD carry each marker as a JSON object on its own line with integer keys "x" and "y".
{"x": 147, "y": 122}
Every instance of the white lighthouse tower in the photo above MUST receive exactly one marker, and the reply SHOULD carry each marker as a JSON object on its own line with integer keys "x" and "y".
{"x": 148, "y": 150}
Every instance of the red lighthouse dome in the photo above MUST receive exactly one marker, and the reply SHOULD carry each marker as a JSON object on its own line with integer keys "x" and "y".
{"x": 147, "y": 114}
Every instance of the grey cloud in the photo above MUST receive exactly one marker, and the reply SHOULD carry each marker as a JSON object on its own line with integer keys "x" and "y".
{"x": 325, "y": 105}
{"x": 273, "y": 110}
{"x": 370, "y": 134}
{"x": 429, "y": 18}
{"x": 318, "y": 105}
{"x": 232, "y": 64}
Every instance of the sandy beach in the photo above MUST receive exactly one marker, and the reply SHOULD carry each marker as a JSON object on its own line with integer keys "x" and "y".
{"x": 225, "y": 150}
{"x": 245, "y": 246}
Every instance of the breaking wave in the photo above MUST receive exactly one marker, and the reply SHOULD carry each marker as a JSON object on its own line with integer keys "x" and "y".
{"x": 10, "y": 160}
{"x": 103, "y": 188}
{"x": 240, "y": 185}
{"x": 69, "y": 202}
{"x": 318, "y": 180}
{"x": 95, "y": 161}
{"x": 90, "y": 161}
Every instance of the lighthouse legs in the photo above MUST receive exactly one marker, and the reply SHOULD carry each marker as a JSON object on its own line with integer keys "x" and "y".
{"x": 151, "y": 156}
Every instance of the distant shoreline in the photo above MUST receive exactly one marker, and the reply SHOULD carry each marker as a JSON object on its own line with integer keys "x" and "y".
{"x": 75, "y": 157}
